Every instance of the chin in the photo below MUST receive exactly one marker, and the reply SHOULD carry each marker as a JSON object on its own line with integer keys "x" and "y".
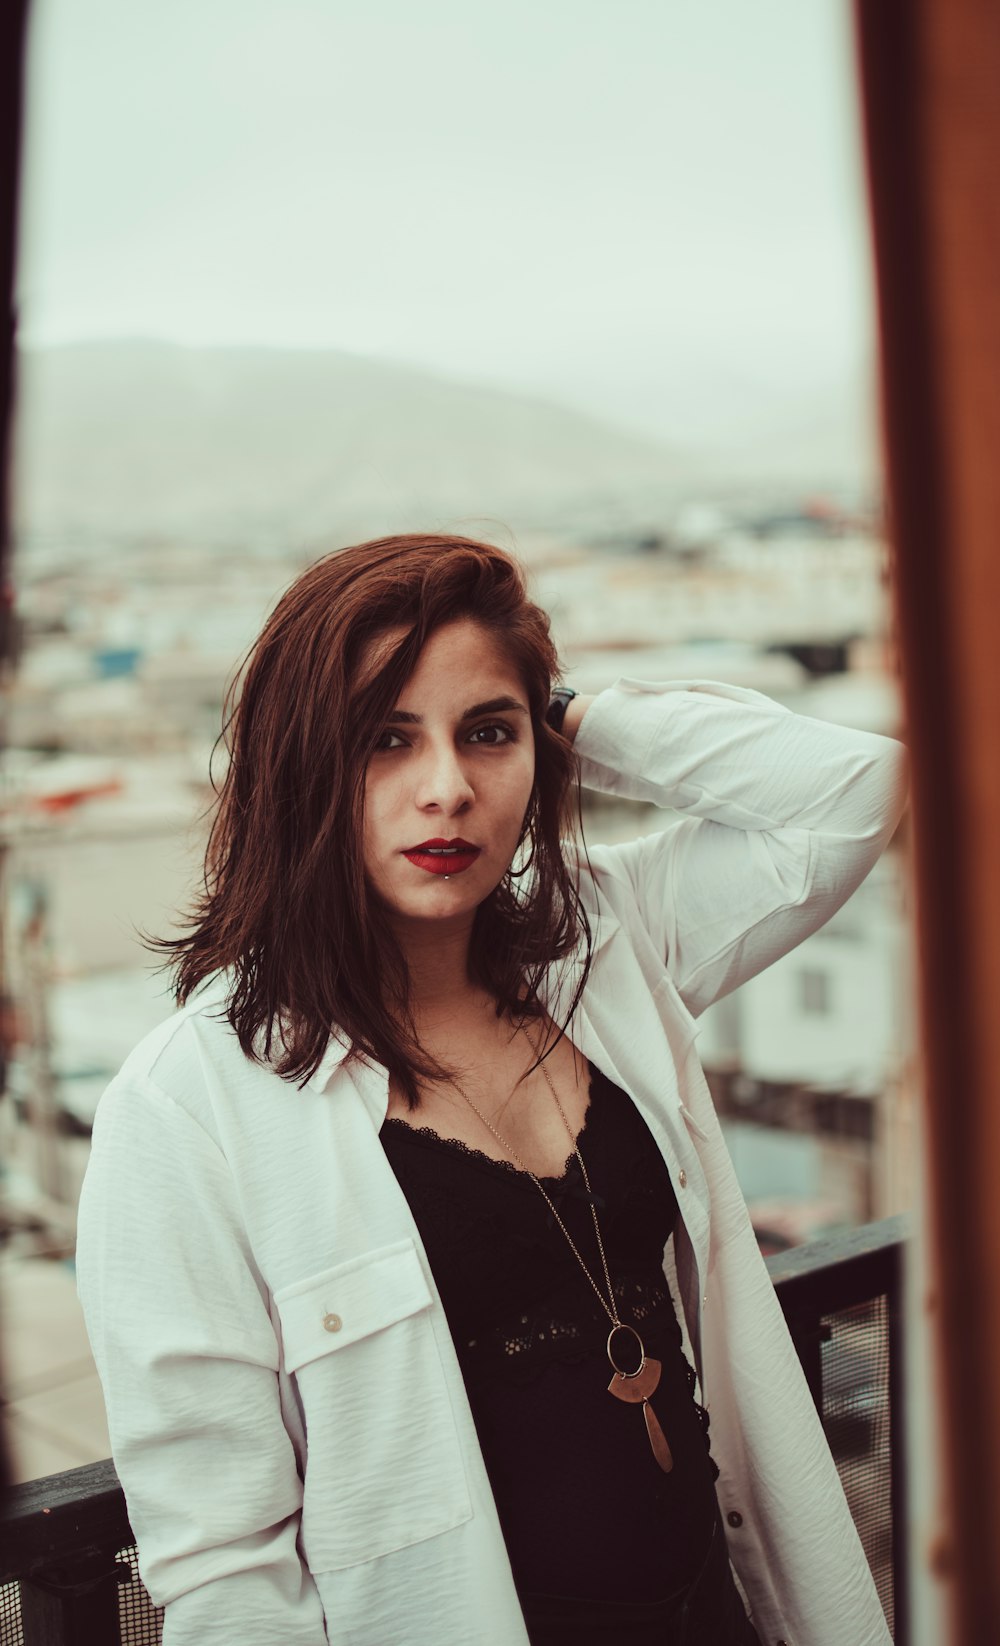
{"x": 426, "y": 902}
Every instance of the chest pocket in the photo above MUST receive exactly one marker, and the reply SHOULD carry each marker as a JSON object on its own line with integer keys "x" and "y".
{"x": 384, "y": 1467}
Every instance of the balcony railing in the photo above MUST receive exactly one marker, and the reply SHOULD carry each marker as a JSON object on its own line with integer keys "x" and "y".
{"x": 842, "y": 1298}
{"x": 68, "y": 1573}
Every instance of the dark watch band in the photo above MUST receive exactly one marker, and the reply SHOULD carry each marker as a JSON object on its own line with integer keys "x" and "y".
{"x": 555, "y": 714}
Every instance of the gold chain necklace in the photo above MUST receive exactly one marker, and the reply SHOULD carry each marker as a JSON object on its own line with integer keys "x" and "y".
{"x": 631, "y": 1387}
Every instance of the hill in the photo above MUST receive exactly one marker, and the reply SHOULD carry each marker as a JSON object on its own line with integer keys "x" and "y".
{"x": 143, "y": 437}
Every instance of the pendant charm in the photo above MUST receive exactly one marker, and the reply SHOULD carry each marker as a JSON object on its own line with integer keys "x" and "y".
{"x": 635, "y": 1388}
{"x": 657, "y": 1439}
{"x": 639, "y": 1386}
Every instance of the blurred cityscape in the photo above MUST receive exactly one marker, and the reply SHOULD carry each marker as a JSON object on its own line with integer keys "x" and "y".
{"x": 137, "y": 595}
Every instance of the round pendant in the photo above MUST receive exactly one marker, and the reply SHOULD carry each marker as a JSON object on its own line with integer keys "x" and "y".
{"x": 621, "y": 1348}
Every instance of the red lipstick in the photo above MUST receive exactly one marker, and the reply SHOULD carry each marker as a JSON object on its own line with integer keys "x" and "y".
{"x": 443, "y": 856}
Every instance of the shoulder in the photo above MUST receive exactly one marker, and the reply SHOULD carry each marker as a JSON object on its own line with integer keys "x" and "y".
{"x": 190, "y": 1063}
{"x": 169, "y": 1048}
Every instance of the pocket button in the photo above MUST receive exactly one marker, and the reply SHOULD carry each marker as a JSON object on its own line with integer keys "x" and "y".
{"x": 332, "y": 1323}
{"x": 682, "y": 1177}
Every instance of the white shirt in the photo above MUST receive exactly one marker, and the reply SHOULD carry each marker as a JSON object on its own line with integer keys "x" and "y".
{"x": 287, "y": 1412}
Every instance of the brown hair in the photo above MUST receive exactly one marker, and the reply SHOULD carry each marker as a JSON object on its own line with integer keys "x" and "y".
{"x": 293, "y": 920}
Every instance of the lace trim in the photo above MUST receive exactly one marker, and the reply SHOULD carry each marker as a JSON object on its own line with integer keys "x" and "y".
{"x": 701, "y": 1413}
{"x": 528, "y": 1342}
{"x": 427, "y": 1134}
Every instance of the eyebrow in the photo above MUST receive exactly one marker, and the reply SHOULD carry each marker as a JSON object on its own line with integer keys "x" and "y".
{"x": 495, "y": 705}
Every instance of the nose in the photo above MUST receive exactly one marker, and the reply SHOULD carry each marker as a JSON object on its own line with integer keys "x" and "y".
{"x": 443, "y": 784}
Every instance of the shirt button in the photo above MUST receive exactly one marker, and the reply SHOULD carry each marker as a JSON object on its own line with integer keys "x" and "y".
{"x": 682, "y": 1178}
{"x": 332, "y": 1323}
{"x": 736, "y": 1519}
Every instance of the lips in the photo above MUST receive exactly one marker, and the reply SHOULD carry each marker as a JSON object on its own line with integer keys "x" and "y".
{"x": 443, "y": 856}
{"x": 442, "y": 845}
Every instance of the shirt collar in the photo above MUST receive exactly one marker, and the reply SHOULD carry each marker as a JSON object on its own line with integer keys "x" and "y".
{"x": 329, "y": 1064}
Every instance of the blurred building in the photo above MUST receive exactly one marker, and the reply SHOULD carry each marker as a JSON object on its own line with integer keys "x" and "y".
{"x": 117, "y": 704}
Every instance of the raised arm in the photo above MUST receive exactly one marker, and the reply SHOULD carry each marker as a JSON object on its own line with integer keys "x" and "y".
{"x": 782, "y": 817}
{"x": 188, "y": 1360}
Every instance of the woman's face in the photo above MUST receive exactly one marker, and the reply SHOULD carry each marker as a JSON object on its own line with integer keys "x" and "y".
{"x": 449, "y": 784}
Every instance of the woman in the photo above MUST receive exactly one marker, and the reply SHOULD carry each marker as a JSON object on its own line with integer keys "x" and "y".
{"x": 382, "y": 1233}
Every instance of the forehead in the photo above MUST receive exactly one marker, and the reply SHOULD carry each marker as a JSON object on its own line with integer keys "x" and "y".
{"x": 456, "y": 652}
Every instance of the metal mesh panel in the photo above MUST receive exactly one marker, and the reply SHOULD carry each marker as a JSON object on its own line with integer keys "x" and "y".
{"x": 856, "y": 1420}
{"x": 11, "y": 1633}
{"x": 141, "y": 1622}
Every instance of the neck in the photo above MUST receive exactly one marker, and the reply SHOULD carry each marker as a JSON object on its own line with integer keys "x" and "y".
{"x": 437, "y": 956}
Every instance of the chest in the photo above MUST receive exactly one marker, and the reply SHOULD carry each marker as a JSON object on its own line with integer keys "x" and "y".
{"x": 501, "y": 1106}
{"x": 500, "y": 1243}
{"x": 318, "y": 1189}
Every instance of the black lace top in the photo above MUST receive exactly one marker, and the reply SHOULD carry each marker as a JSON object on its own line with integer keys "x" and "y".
{"x": 586, "y": 1510}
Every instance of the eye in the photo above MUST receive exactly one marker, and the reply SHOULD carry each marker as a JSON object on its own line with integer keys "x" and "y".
{"x": 385, "y": 745}
{"x": 494, "y": 735}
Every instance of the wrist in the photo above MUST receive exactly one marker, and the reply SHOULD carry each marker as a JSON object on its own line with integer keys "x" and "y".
{"x": 559, "y": 702}
{"x": 574, "y": 714}
{"x": 566, "y": 710}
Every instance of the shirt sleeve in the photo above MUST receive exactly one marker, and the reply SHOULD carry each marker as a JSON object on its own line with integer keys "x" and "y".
{"x": 780, "y": 819}
{"x": 188, "y": 1360}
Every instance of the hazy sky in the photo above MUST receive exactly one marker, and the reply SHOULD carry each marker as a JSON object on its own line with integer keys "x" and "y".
{"x": 652, "y": 207}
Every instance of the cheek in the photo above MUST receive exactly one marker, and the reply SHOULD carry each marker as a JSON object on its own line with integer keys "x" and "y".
{"x": 387, "y": 821}
{"x": 528, "y": 774}
{"x": 520, "y": 791}
{"x": 382, "y": 796}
